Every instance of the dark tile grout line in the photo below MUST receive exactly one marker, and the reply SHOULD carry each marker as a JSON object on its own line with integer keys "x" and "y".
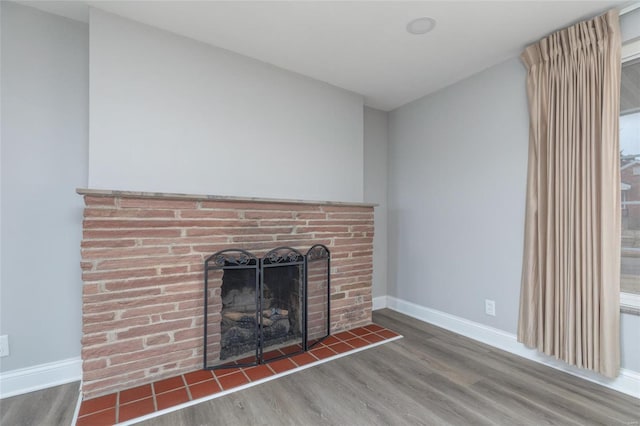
{"x": 346, "y": 337}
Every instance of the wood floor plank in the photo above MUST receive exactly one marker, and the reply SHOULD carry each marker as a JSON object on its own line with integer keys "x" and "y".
{"x": 49, "y": 407}
{"x": 430, "y": 377}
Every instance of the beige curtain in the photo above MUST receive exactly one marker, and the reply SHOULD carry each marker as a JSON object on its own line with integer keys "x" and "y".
{"x": 569, "y": 301}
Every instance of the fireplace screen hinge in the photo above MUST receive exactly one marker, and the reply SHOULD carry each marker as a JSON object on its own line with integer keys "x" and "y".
{"x": 262, "y": 309}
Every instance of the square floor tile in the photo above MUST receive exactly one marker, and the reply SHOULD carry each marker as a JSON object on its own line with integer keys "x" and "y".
{"x": 303, "y": 359}
{"x": 322, "y": 353}
{"x": 233, "y": 380}
{"x": 136, "y": 409}
{"x": 97, "y": 404}
{"x": 271, "y": 355}
{"x": 258, "y": 372}
{"x": 373, "y": 338}
{"x": 226, "y": 371}
{"x": 171, "y": 398}
{"x": 101, "y": 418}
{"x": 202, "y": 389}
{"x": 247, "y": 360}
{"x": 360, "y": 331}
{"x": 373, "y": 327}
{"x": 387, "y": 334}
{"x": 357, "y": 342}
{"x": 330, "y": 340}
{"x": 291, "y": 349}
{"x": 134, "y": 394}
{"x": 198, "y": 376}
{"x": 341, "y": 347}
{"x": 282, "y": 365}
{"x": 169, "y": 384}
{"x": 345, "y": 335}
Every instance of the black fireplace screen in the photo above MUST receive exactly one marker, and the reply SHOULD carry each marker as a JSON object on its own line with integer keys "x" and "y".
{"x": 262, "y": 309}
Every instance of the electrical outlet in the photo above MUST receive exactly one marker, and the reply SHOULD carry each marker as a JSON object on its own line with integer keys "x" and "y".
{"x": 490, "y": 307}
{"x": 4, "y": 345}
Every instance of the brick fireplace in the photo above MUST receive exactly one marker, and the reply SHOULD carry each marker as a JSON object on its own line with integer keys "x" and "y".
{"x": 142, "y": 267}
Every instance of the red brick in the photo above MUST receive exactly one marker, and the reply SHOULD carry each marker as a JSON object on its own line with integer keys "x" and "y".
{"x": 161, "y": 223}
{"x": 158, "y": 339}
{"x": 352, "y": 241}
{"x": 92, "y": 389}
{"x": 152, "y": 281}
{"x": 147, "y": 203}
{"x": 98, "y": 318}
{"x": 119, "y": 295}
{"x": 94, "y": 364}
{"x": 86, "y": 266}
{"x": 154, "y": 328}
{"x": 199, "y": 232}
{"x": 185, "y": 313}
{"x": 180, "y": 250}
{"x": 108, "y": 265}
{"x": 96, "y": 339}
{"x": 101, "y": 244}
{"x": 111, "y": 349}
{"x": 194, "y": 333}
{"x": 212, "y": 214}
{"x": 251, "y": 238}
{"x": 167, "y": 351}
{"x": 120, "y": 213}
{"x": 148, "y": 310}
{"x": 305, "y": 215}
{"x": 114, "y": 275}
{"x": 186, "y": 241}
{"x": 320, "y": 228}
{"x": 115, "y": 253}
{"x": 106, "y": 326}
{"x": 257, "y": 214}
{"x": 339, "y": 222}
{"x": 110, "y": 234}
{"x": 91, "y": 201}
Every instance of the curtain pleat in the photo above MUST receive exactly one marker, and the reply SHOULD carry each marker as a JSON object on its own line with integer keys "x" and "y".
{"x": 569, "y": 301}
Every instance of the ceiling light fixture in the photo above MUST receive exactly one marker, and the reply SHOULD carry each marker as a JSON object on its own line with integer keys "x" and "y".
{"x": 421, "y": 25}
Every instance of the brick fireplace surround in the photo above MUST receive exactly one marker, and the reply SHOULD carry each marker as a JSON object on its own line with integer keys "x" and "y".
{"x": 142, "y": 268}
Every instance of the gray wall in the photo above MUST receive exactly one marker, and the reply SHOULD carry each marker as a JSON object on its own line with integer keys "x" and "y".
{"x": 457, "y": 179}
{"x": 176, "y": 115}
{"x": 375, "y": 190}
{"x": 44, "y": 158}
{"x": 458, "y": 161}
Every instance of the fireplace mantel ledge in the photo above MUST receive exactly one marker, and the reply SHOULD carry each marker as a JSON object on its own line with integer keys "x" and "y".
{"x": 221, "y": 198}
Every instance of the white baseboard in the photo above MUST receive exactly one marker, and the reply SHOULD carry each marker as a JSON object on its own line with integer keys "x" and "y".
{"x": 23, "y": 380}
{"x": 627, "y": 382}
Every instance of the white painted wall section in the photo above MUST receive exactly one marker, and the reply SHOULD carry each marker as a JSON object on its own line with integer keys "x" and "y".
{"x": 171, "y": 114}
{"x": 44, "y": 159}
{"x": 375, "y": 190}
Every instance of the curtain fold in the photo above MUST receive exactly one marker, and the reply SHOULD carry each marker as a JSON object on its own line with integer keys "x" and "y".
{"x": 570, "y": 294}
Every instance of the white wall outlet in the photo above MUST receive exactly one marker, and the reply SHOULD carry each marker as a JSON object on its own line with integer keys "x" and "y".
{"x": 4, "y": 345}
{"x": 490, "y": 307}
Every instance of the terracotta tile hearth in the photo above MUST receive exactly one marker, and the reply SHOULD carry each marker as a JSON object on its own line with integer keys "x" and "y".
{"x": 202, "y": 385}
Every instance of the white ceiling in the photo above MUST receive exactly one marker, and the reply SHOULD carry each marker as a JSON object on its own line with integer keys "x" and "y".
{"x": 361, "y": 46}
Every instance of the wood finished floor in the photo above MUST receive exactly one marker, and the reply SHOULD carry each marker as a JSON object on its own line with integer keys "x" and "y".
{"x": 52, "y": 406}
{"x": 431, "y": 377}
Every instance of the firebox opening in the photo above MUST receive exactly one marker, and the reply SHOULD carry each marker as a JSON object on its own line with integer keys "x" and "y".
{"x": 279, "y": 314}
{"x": 259, "y": 310}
